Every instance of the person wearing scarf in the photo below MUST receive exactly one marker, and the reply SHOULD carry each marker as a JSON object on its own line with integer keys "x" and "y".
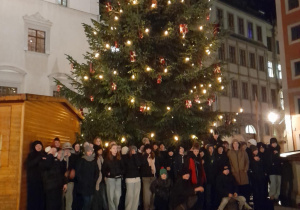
{"x": 148, "y": 171}
{"x": 198, "y": 177}
{"x": 35, "y": 193}
{"x": 87, "y": 174}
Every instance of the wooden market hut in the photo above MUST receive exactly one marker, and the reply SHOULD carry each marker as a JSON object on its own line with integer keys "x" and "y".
{"x": 23, "y": 119}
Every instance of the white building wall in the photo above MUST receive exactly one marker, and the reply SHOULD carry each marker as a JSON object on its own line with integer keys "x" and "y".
{"x": 64, "y": 33}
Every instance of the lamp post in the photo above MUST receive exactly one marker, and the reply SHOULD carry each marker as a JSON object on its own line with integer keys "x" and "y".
{"x": 273, "y": 117}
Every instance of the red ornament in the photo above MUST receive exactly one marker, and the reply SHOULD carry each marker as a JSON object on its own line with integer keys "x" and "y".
{"x": 162, "y": 61}
{"x": 81, "y": 111}
{"x": 188, "y": 104}
{"x": 91, "y": 68}
{"x": 108, "y": 7}
{"x": 113, "y": 86}
{"x": 58, "y": 88}
{"x": 92, "y": 98}
{"x": 141, "y": 35}
{"x": 143, "y": 108}
{"x": 207, "y": 17}
{"x": 183, "y": 29}
{"x": 217, "y": 69}
{"x": 116, "y": 44}
{"x": 210, "y": 101}
{"x": 197, "y": 100}
{"x": 132, "y": 56}
{"x": 159, "y": 79}
{"x": 216, "y": 29}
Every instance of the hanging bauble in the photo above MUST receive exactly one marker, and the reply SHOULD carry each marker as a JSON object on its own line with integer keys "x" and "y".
{"x": 132, "y": 56}
{"x": 217, "y": 69}
{"x": 216, "y": 29}
{"x": 159, "y": 79}
{"x": 141, "y": 35}
{"x": 183, "y": 29}
{"x": 210, "y": 101}
{"x": 58, "y": 88}
{"x": 92, "y": 98}
{"x": 81, "y": 111}
{"x": 154, "y": 4}
{"x": 162, "y": 61}
{"x": 108, "y": 7}
{"x": 207, "y": 17}
{"x": 91, "y": 68}
{"x": 197, "y": 100}
{"x": 188, "y": 104}
{"x": 143, "y": 108}
{"x": 116, "y": 44}
{"x": 113, "y": 86}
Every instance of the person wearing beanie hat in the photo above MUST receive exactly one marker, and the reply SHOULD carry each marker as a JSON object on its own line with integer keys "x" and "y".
{"x": 257, "y": 175}
{"x": 239, "y": 164}
{"x": 274, "y": 168}
{"x": 161, "y": 187}
{"x": 35, "y": 198}
{"x": 87, "y": 174}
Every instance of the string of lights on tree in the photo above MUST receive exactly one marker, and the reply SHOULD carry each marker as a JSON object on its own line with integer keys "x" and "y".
{"x": 151, "y": 71}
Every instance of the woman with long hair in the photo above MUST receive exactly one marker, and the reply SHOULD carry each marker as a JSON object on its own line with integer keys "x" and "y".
{"x": 112, "y": 170}
{"x": 148, "y": 171}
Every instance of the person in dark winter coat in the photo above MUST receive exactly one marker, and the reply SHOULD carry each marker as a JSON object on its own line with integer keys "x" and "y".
{"x": 262, "y": 154}
{"x": 161, "y": 187}
{"x": 54, "y": 180}
{"x": 170, "y": 164}
{"x": 75, "y": 157}
{"x": 210, "y": 172}
{"x": 221, "y": 160}
{"x": 179, "y": 161}
{"x": 113, "y": 170}
{"x": 215, "y": 139}
{"x": 87, "y": 174}
{"x": 35, "y": 193}
{"x": 258, "y": 178}
{"x": 274, "y": 168}
{"x": 198, "y": 177}
{"x": 227, "y": 189}
{"x": 132, "y": 164}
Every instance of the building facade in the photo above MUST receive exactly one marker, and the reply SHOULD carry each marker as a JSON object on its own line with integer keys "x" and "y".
{"x": 35, "y": 37}
{"x": 253, "y": 71}
{"x": 288, "y": 21}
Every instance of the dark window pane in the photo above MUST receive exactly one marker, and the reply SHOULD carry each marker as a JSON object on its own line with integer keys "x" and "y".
{"x": 295, "y": 32}
{"x": 220, "y": 17}
{"x": 274, "y": 98}
{"x": 267, "y": 129}
{"x": 245, "y": 90}
{"x": 259, "y": 34}
{"x": 232, "y": 56}
{"x": 40, "y": 45}
{"x": 40, "y": 34}
{"x": 250, "y": 30}
{"x": 261, "y": 63}
{"x": 297, "y": 68}
{"x": 4, "y": 91}
{"x": 221, "y": 52}
{"x": 269, "y": 43}
{"x": 241, "y": 26}
{"x": 254, "y": 92}
{"x": 264, "y": 94}
{"x": 252, "y": 60}
{"x": 36, "y": 40}
{"x": 293, "y": 4}
{"x": 234, "y": 89}
{"x": 230, "y": 22}
{"x": 242, "y": 57}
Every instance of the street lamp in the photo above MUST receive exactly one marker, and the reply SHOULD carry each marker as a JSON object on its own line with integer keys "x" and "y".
{"x": 273, "y": 117}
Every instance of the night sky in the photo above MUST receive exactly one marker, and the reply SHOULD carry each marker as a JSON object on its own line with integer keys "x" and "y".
{"x": 253, "y": 6}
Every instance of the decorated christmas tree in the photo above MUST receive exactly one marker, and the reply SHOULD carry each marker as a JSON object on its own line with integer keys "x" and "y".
{"x": 151, "y": 71}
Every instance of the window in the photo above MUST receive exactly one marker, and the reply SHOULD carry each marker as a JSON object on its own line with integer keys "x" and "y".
{"x": 244, "y": 90}
{"x": 267, "y": 129}
{"x": 292, "y": 4}
{"x": 232, "y": 58}
{"x": 254, "y": 92}
{"x": 221, "y": 52}
{"x": 250, "y": 30}
{"x": 5, "y": 91}
{"x": 36, "y": 40}
{"x": 230, "y": 22}
{"x": 295, "y": 32}
{"x": 62, "y": 2}
{"x": 241, "y": 26}
{"x": 234, "y": 89}
{"x": 259, "y": 33}
{"x": 220, "y": 17}
{"x": 263, "y": 94}
{"x": 270, "y": 69}
{"x": 269, "y": 43}
{"x": 261, "y": 63}
{"x": 242, "y": 57}
{"x": 273, "y": 98}
{"x": 279, "y": 71}
{"x": 250, "y": 129}
{"x": 277, "y": 47}
{"x": 252, "y": 60}
{"x": 281, "y": 100}
{"x": 297, "y": 68}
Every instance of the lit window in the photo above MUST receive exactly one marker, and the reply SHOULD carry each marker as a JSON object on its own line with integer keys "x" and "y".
{"x": 281, "y": 99}
{"x": 292, "y": 4}
{"x": 4, "y": 91}
{"x": 250, "y": 129}
{"x": 270, "y": 69}
{"x": 36, "y": 40}
{"x": 62, "y": 2}
{"x": 279, "y": 71}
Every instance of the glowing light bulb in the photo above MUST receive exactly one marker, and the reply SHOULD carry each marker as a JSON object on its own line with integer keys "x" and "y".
{"x": 191, "y": 91}
{"x": 106, "y": 144}
{"x": 166, "y": 70}
{"x": 200, "y": 107}
{"x": 100, "y": 76}
{"x": 195, "y": 87}
{"x": 187, "y": 59}
{"x": 132, "y": 77}
{"x": 241, "y": 110}
{"x": 201, "y": 85}
{"x": 128, "y": 42}
{"x": 121, "y": 11}
{"x": 176, "y": 138}
{"x": 237, "y": 113}
{"x": 194, "y": 137}
{"x": 200, "y": 28}
{"x": 148, "y": 68}
{"x": 95, "y": 32}
{"x": 220, "y": 79}
{"x": 152, "y": 135}
{"x": 148, "y": 108}
{"x": 222, "y": 87}
{"x": 204, "y": 91}
{"x": 215, "y": 124}
{"x": 169, "y": 2}
{"x": 221, "y": 117}
{"x": 166, "y": 33}
{"x": 107, "y": 46}
{"x": 211, "y": 130}
{"x": 134, "y": 2}
{"x": 132, "y": 100}
{"x": 85, "y": 77}
{"x": 123, "y": 139}
{"x": 109, "y": 108}
{"x": 115, "y": 72}
{"x": 147, "y": 30}
{"x": 209, "y": 85}
{"x": 168, "y": 108}
{"x": 97, "y": 55}
{"x": 234, "y": 120}
{"x": 116, "y": 18}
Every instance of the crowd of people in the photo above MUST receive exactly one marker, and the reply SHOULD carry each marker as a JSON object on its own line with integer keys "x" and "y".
{"x": 153, "y": 177}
